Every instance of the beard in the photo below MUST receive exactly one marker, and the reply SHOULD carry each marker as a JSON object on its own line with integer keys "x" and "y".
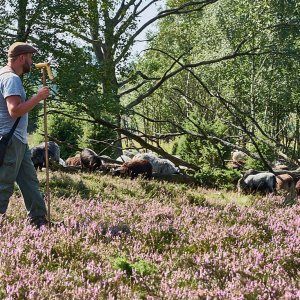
{"x": 26, "y": 67}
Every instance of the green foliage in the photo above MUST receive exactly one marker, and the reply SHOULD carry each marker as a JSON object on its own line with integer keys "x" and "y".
{"x": 263, "y": 87}
{"x": 255, "y": 164}
{"x": 2, "y": 292}
{"x": 141, "y": 266}
{"x": 200, "y": 152}
{"x": 63, "y": 129}
{"x": 91, "y": 60}
{"x": 196, "y": 199}
{"x": 218, "y": 178}
{"x": 121, "y": 263}
{"x": 100, "y": 139}
{"x": 78, "y": 134}
{"x": 267, "y": 151}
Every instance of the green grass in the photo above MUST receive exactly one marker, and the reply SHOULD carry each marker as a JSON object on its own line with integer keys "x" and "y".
{"x": 93, "y": 185}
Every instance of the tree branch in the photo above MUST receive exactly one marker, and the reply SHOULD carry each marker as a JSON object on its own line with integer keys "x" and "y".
{"x": 182, "y": 67}
{"x": 183, "y": 9}
{"x": 137, "y": 138}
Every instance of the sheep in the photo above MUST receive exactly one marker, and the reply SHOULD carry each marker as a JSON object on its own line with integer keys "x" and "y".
{"x": 297, "y": 187}
{"x": 38, "y": 154}
{"x": 159, "y": 165}
{"x": 281, "y": 167}
{"x": 130, "y": 153}
{"x": 165, "y": 167}
{"x": 285, "y": 182}
{"x": 38, "y": 157}
{"x": 123, "y": 158}
{"x": 53, "y": 151}
{"x": 104, "y": 157}
{"x": 237, "y": 155}
{"x": 238, "y": 159}
{"x": 264, "y": 182}
{"x": 73, "y": 161}
{"x": 62, "y": 162}
{"x": 151, "y": 157}
{"x": 135, "y": 167}
{"x": 90, "y": 160}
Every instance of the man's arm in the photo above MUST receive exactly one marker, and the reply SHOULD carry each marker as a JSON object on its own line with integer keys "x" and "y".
{"x": 17, "y": 108}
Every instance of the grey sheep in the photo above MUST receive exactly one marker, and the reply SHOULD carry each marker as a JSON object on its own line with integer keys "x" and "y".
{"x": 264, "y": 182}
{"x": 160, "y": 165}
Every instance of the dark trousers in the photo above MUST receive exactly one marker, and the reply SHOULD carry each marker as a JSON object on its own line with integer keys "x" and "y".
{"x": 18, "y": 167}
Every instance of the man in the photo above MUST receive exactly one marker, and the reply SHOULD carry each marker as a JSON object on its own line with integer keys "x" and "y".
{"x": 17, "y": 165}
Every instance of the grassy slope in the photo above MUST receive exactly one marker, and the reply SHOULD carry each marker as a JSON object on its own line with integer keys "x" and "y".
{"x": 184, "y": 243}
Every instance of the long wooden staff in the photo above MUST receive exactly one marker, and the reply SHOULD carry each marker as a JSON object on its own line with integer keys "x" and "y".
{"x": 46, "y": 67}
{"x": 46, "y": 150}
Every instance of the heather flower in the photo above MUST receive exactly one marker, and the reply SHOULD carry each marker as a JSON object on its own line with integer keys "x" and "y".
{"x": 152, "y": 245}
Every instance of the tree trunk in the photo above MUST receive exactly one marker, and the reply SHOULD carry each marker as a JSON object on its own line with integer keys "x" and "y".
{"x": 21, "y": 32}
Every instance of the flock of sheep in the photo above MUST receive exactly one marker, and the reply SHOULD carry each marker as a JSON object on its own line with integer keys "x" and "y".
{"x": 264, "y": 182}
{"x": 133, "y": 164}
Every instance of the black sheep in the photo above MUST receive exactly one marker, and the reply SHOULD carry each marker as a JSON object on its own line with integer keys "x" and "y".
{"x": 90, "y": 160}
{"x": 38, "y": 157}
{"x": 38, "y": 154}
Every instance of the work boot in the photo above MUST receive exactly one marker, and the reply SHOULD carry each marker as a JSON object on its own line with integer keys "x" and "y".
{"x": 40, "y": 221}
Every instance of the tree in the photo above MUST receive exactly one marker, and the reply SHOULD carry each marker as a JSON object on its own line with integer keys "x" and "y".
{"x": 254, "y": 101}
{"x": 99, "y": 35}
{"x": 96, "y": 37}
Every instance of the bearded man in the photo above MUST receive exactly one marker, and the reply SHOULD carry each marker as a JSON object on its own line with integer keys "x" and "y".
{"x": 17, "y": 165}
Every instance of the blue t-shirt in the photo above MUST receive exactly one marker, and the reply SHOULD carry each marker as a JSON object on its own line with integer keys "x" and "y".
{"x": 11, "y": 85}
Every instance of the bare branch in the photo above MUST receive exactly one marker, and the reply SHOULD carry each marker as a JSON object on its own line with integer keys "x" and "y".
{"x": 188, "y": 7}
{"x": 147, "y": 6}
{"x": 135, "y": 88}
{"x": 109, "y": 144}
{"x": 120, "y": 15}
{"x": 138, "y": 73}
{"x": 228, "y": 103}
{"x": 68, "y": 145}
{"x": 182, "y": 67}
{"x": 150, "y": 119}
{"x": 183, "y": 9}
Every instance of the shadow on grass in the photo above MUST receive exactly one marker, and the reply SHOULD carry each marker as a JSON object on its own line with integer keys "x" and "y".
{"x": 67, "y": 186}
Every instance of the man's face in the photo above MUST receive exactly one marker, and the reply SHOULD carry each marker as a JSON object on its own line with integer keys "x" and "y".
{"x": 27, "y": 62}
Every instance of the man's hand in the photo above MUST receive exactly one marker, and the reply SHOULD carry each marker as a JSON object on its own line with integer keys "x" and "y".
{"x": 43, "y": 93}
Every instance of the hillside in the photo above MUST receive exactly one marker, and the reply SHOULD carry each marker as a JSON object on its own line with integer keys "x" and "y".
{"x": 140, "y": 239}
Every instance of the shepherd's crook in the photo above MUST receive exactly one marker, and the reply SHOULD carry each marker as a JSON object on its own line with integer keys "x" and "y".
{"x": 46, "y": 66}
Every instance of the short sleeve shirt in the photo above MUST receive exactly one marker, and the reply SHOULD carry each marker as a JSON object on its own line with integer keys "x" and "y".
{"x": 11, "y": 85}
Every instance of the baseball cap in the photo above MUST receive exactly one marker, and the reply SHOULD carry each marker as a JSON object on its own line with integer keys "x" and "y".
{"x": 19, "y": 48}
